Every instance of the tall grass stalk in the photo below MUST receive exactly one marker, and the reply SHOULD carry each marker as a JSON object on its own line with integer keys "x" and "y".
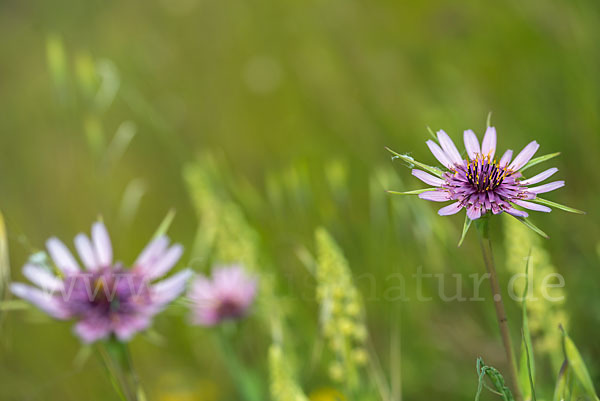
{"x": 488, "y": 258}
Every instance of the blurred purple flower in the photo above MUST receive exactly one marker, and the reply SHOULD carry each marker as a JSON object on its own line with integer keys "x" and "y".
{"x": 481, "y": 184}
{"x": 228, "y": 295}
{"x": 105, "y": 298}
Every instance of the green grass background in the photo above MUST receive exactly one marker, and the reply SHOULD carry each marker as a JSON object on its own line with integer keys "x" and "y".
{"x": 296, "y": 101}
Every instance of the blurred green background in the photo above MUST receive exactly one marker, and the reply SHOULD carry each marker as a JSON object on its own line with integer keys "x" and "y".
{"x": 104, "y": 103}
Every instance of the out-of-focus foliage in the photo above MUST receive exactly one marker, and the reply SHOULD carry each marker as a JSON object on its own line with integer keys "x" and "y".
{"x": 258, "y": 122}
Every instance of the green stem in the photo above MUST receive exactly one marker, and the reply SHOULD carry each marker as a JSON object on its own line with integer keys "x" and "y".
{"x": 118, "y": 363}
{"x": 247, "y": 383}
{"x": 488, "y": 258}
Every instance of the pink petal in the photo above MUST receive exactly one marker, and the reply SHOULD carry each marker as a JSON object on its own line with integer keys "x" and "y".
{"x": 506, "y": 158}
{"x": 151, "y": 253}
{"x": 524, "y": 156}
{"x": 167, "y": 290}
{"x": 102, "y": 244}
{"x": 61, "y": 255}
{"x": 473, "y": 212}
{"x": 427, "y": 178}
{"x": 450, "y": 209}
{"x": 93, "y": 329}
{"x": 42, "y": 300}
{"x": 488, "y": 146}
{"x": 532, "y": 206}
{"x": 515, "y": 212}
{"x": 126, "y": 326}
{"x": 540, "y": 177}
{"x": 439, "y": 154}
{"x": 435, "y": 196}
{"x": 471, "y": 144}
{"x": 166, "y": 262}
{"x": 42, "y": 278}
{"x": 449, "y": 147}
{"x": 86, "y": 251}
{"x": 546, "y": 187}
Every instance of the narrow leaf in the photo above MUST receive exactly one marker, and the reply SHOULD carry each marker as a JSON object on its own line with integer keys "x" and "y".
{"x": 539, "y": 160}
{"x": 412, "y": 162}
{"x": 4, "y": 261}
{"x": 488, "y": 122}
{"x": 562, "y": 383}
{"x": 577, "y": 364}
{"x": 532, "y": 226}
{"x": 527, "y": 364}
{"x": 557, "y": 205}
{"x": 466, "y": 227}
{"x": 165, "y": 224}
{"x": 415, "y": 192}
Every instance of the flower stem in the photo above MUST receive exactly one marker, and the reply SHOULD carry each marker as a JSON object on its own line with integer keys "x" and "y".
{"x": 117, "y": 360}
{"x": 488, "y": 258}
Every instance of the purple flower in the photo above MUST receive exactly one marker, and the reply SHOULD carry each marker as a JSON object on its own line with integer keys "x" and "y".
{"x": 105, "y": 298}
{"x": 481, "y": 183}
{"x": 228, "y": 295}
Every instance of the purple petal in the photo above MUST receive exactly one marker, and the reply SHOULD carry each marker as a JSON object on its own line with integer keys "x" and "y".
{"x": 42, "y": 278}
{"x": 43, "y": 300}
{"x": 166, "y": 262}
{"x": 126, "y": 326}
{"x": 473, "y": 212}
{"x": 471, "y": 144}
{"x": 540, "y": 177}
{"x": 449, "y": 147}
{"x": 506, "y": 158}
{"x": 93, "y": 329}
{"x": 488, "y": 146}
{"x": 547, "y": 187}
{"x": 61, "y": 255}
{"x": 450, "y": 209}
{"x": 439, "y": 154}
{"x": 435, "y": 196}
{"x": 167, "y": 290}
{"x": 151, "y": 253}
{"x": 524, "y": 156}
{"x": 102, "y": 244}
{"x": 532, "y": 206}
{"x": 85, "y": 249}
{"x": 427, "y": 178}
{"x": 515, "y": 212}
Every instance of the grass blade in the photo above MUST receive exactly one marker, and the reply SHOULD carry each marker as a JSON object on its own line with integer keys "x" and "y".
{"x": 412, "y": 162}
{"x": 557, "y": 205}
{"x": 527, "y": 364}
{"x": 578, "y": 367}
{"x": 562, "y": 383}
{"x": 539, "y": 160}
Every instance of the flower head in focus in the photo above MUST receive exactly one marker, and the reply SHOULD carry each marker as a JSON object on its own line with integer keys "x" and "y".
{"x": 482, "y": 183}
{"x": 105, "y": 298}
{"x": 227, "y": 295}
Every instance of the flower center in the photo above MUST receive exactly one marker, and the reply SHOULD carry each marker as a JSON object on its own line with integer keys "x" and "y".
{"x": 484, "y": 174}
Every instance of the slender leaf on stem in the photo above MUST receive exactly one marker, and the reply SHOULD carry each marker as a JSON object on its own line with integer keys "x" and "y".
{"x": 527, "y": 364}
{"x": 539, "y": 160}
{"x": 466, "y": 227}
{"x": 562, "y": 383}
{"x": 532, "y": 226}
{"x": 578, "y": 367}
{"x": 488, "y": 122}
{"x": 165, "y": 224}
{"x": 415, "y": 192}
{"x": 431, "y": 133}
{"x": 412, "y": 162}
{"x": 557, "y": 205}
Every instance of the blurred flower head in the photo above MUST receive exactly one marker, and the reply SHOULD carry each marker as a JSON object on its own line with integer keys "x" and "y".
{"x": 227, "y": 295}
{"x": 104, "y": 297}
{"x": 481, "y": 183}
